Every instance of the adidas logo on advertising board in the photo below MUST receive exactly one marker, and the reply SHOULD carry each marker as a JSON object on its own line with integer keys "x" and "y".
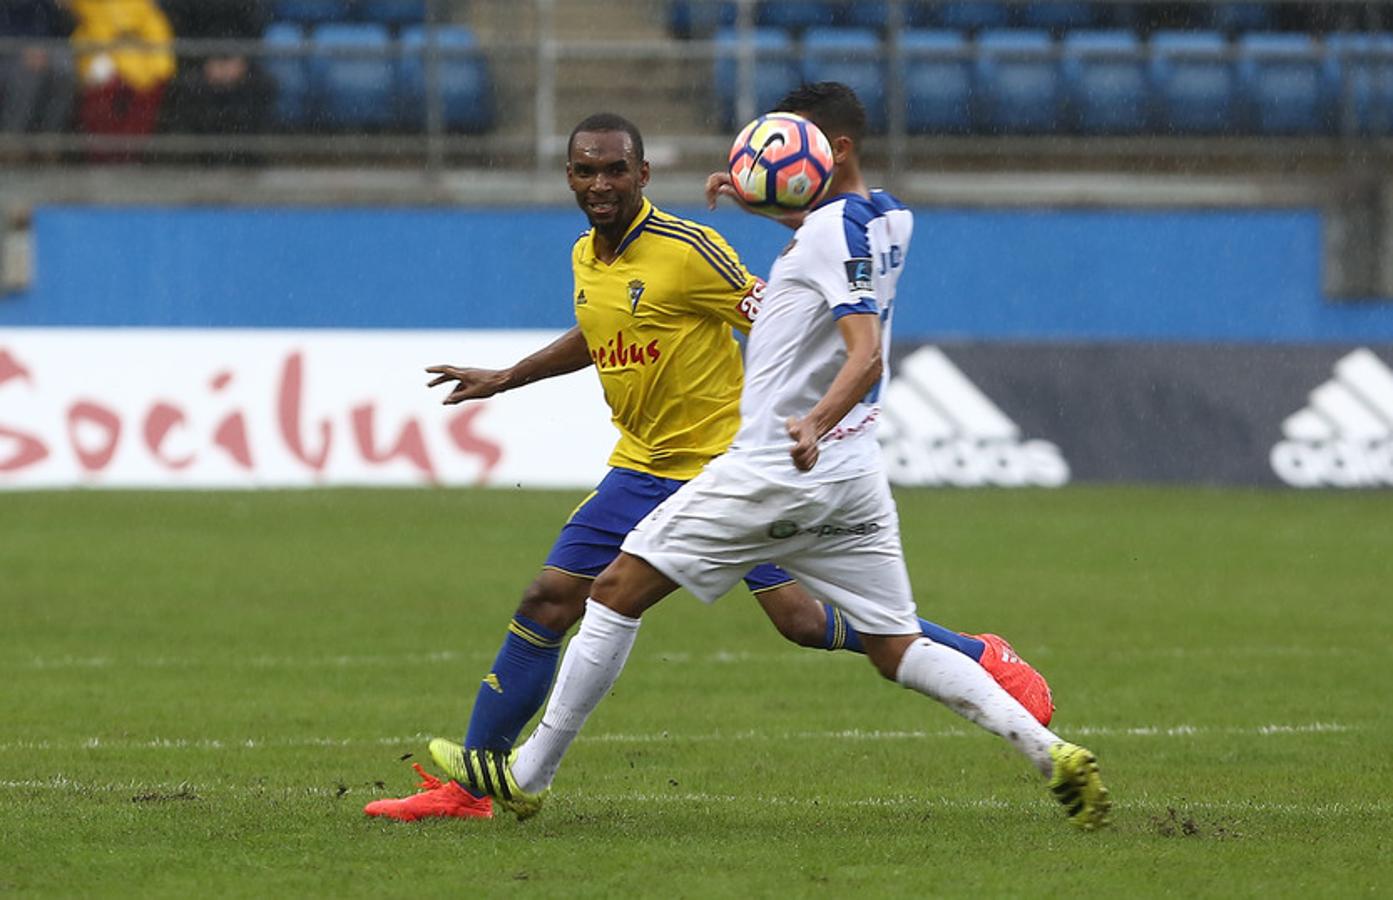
{"x": 939, "y": 428}
{"x": 1344, "y": 435}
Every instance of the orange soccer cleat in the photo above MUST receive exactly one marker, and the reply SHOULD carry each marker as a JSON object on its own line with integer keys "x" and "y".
{"x": 1017, "y": 677}
{"x": 445, "y": 799}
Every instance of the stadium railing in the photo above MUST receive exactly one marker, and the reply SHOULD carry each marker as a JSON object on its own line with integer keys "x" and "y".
{"x": 440, "y": 84}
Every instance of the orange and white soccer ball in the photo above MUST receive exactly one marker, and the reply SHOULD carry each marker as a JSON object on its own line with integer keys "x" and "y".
{"x": 780, "y": 162}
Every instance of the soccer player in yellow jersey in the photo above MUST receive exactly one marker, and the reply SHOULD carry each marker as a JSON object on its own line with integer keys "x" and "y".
{"x": 657, "y": 298}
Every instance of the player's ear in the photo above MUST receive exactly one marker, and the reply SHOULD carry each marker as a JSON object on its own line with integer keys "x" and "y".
{"x": 842, "y": 147}
{"x": 643, "y": 173}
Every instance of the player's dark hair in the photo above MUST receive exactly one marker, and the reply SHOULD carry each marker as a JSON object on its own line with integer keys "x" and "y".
{"x": 607, "y": 122}
{"x": 830, "y": 105}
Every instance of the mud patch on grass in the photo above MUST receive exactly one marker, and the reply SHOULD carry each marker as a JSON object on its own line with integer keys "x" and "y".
{"x": 183, "y": 793}
{"x": 1178, "y": 824}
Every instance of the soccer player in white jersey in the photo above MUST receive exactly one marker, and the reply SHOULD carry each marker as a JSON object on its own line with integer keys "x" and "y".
{"x": 802, "y": 485}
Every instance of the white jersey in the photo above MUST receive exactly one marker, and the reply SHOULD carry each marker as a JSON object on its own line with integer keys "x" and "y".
{"x": 845, "y": 259}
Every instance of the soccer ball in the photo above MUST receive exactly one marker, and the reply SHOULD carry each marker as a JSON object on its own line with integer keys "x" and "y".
{"x": 780, "y": 162}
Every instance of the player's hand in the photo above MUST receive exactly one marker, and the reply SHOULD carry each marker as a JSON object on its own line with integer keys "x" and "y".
{"x": 719, "y": 184}
{"x": 804, "y": 451}
{"x": 470, "y": 384}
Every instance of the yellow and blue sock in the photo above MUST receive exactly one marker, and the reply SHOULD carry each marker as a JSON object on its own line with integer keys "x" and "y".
{"x": 517, "y": 685}
{"x": 842, "y": 636}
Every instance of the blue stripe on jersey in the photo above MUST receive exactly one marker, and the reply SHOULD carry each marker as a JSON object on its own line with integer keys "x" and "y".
{"x": 851, "y": 309}
{"x": 885, "y": 202}
{"x": 730, "y": 267}
{"x": 662, "y": 231}
{"x": 857, "y": 213}
{"x": 733, "y": 267}
{"x": 634, "y": 233}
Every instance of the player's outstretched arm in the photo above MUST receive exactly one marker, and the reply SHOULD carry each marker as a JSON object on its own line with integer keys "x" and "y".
{"x": 568, "y": 353}
{"x": 718, "y": 185}
{"x": 860, "y": 372}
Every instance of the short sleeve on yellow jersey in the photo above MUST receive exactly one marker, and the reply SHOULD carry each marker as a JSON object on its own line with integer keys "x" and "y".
{"x": 717, "y": 281}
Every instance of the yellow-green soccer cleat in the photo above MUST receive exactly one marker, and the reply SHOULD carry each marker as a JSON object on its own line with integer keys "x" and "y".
{"x": 486, "y": 772}
{"x": 1078, "y": 787}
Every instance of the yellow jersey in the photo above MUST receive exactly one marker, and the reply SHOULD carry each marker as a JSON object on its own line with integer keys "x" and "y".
{"x": 134, "y": 21}
{"x": 658, "y": 323}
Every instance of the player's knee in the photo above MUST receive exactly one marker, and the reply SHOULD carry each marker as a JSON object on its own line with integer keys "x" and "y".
{"x": 551, "y": 605}
{"x": 612, "y": 588}
{"x": 607, "y": 582}
{"x": 630, "y": 585}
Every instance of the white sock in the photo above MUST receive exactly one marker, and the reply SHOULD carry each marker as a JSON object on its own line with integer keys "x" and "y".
{"x": 965, "y": 687}
{"x": 589, "y": 668}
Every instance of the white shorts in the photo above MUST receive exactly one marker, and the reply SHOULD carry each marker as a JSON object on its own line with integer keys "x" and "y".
{"x": 840, "y": 540}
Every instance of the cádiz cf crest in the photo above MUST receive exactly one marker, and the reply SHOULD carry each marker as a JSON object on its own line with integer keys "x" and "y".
{"x": 635, "y": 292}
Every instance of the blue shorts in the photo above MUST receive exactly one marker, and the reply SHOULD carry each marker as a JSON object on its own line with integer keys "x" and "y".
{"x": 591, "y": 537}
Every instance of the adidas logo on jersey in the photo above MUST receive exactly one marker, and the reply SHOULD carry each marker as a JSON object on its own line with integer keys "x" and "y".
{"x": 1344, "y": 435}
{"x": 939, "y": 428}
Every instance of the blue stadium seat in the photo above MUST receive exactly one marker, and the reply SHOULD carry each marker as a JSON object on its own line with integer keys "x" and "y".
{"x": 854, "y": 57}
{"x": 392, "y": 12}
{"x": 1192, "y": 82}
{"x": 311, "y": 12}
{"x": 466, "y": 89}
{"x": 290, "y": 72}
{"x": 971, "y": 15}
{"x": 1280, "y": 81}
{"x": 353, "y": 75}
{"x": 937, "y": 81}
{"x": 1058, "y": 15}
{"x": 698, "y": 18}
{"x": 796, "y": 15}
{"x": 869, "y": 14}
{"x": 1123, "y": 15}
{"x": 1232, "y": 16}
{"x": 1017, "y": 82}
{"x": 1359, "y": 80}
{"x": 1105, "y": 81}
{"x": 921, "y": 14}
{"x": 776, "y": 70}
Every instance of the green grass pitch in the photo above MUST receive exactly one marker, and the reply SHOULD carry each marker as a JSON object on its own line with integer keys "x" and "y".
{"x": 201, "y": 690}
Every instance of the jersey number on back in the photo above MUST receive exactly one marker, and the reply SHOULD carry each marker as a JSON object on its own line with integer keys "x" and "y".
{"x": 890, "y": 259}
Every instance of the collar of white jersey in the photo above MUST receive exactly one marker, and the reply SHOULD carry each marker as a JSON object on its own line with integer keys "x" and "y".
{"x": 645, "y": 212}
{"x": 844, "y": 195}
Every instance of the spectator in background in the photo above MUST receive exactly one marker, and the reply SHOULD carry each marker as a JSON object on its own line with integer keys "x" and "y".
{"x": 125, "y": 61}
{"x": 222, "y": 92}
{"x": 36, "y": 81}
